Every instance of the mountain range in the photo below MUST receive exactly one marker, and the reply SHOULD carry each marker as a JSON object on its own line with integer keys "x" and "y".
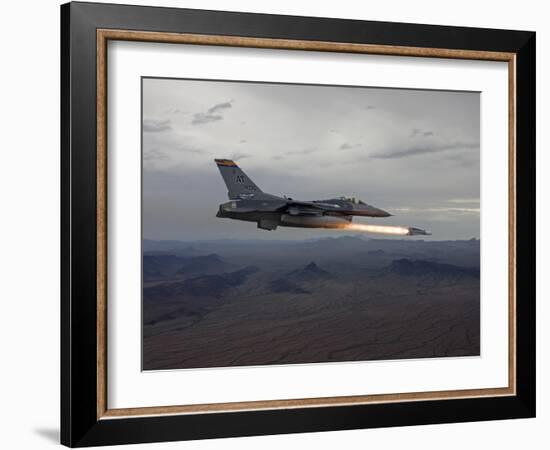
{"x": 232, "y": 303}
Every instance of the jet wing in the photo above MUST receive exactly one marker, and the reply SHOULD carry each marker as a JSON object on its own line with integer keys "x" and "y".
{"x": 299, "y": 203}
{"x": 259, "y": 207}
{"x": 301, "y": 208}
{"x": 295, "y": 211}
{"x": 290, "y": 207}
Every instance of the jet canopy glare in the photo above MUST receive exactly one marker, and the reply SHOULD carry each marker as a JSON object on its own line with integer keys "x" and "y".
{"x": 354, "y": 200}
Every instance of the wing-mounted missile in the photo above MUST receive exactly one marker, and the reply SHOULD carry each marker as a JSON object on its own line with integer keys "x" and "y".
{"x": 418, "y": 232}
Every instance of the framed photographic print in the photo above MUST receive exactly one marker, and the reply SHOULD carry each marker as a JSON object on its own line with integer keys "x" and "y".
{"x": 276, "y": 224}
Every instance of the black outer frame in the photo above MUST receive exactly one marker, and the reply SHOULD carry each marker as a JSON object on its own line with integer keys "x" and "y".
{"x": 79, "y": 423}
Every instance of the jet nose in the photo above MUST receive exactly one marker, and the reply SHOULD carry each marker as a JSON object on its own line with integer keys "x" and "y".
{"x": 377, "y": 212}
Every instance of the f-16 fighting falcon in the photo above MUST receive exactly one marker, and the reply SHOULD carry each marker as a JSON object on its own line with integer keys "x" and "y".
{"x": 249, "y": 203}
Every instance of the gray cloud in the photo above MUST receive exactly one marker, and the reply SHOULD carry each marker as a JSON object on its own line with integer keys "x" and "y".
{"x": 219, "y": 107}
{"x": 437, "y": 210}
{"x": 238, "y": 156}
{"x": 348, "y": 146}
{"x": 464, "y": 200}
{"x": 305, "y": 151}
{"x": 179, "y": 174}
{"x": 194, "y": 150}
{"x": 156, "y": 126}
{"x": 466, "y": 160}
{"x": 213, "y": 114}
{"x": 423, "y": 149}
{"x": 201, "y": 118}
{"x": 415, "y": 132}
{"x": 154, "y": 154}
{"x": 175, "y": 111}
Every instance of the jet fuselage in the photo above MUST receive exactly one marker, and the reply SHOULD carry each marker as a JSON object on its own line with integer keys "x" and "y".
{"x": 333, "y": 213}
{"x": 249, "y": 203}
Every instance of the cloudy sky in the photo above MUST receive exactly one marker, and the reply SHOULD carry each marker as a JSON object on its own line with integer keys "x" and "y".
{"x": 413, "y": 153}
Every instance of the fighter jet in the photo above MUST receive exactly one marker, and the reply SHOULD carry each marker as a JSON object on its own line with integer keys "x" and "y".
{"x": 249, "y": 203}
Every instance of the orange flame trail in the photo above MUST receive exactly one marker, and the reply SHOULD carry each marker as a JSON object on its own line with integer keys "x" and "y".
{"x": 383, "y": 229}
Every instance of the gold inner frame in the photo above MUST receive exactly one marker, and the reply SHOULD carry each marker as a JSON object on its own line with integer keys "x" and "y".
{"x": 103, "y": 36}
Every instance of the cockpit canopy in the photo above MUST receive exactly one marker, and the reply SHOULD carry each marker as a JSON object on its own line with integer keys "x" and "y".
{"x": 353, "y": 200}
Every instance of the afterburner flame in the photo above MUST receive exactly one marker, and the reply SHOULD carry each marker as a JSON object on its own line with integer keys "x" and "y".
{"x": 383, "y": 229}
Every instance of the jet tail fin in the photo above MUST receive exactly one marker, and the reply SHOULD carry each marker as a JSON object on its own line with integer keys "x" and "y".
{"x": 239, "y": 185}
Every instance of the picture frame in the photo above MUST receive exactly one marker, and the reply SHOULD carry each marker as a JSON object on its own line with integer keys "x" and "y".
{"x": 86, "y": 418}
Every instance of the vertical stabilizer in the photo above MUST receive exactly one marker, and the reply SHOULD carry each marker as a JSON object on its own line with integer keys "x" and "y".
{"x": 239, "y": 185}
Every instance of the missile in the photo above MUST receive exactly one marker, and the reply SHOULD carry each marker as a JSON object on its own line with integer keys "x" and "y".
{"x": 412, "y": 231}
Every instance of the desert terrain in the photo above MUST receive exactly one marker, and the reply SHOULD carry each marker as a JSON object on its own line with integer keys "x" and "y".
{"x": 240, "y": 303}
